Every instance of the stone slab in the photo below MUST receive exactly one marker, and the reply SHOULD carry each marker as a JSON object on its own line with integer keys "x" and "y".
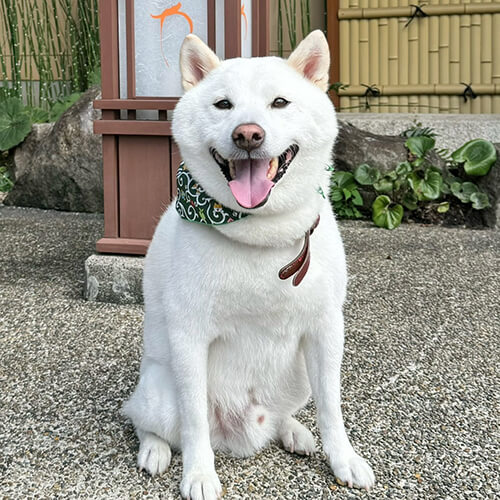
{"x": 454, "y": 130}
{"x": 114, "y": 278}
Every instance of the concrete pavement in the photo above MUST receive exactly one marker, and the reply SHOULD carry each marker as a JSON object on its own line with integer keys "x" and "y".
{"x": 420, "y": 376}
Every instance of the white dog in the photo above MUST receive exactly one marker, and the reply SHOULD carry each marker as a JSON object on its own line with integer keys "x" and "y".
{"x": 243, "y": 310}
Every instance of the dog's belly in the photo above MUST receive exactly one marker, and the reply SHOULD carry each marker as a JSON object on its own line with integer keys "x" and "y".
{"x": 255, "y": 380}
{"x": 251, "y": 360}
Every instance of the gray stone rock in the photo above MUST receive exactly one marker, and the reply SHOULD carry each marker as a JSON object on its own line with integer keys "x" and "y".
{"x": 59, "y": 166}
{"x": 355, "y": 146}
{"x": 490, "y": 184}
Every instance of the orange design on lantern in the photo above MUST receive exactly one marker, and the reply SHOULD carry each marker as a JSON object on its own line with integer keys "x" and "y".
{"x": 172, "y": 11}
{"x": 243, "y": 13}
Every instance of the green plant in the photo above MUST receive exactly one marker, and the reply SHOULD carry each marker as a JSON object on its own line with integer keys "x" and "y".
{"x": 15, "y": 123}
{"x": 5, "y": 182}
{"x": 344, "y": 195}
{"x": 417, "y": 130}
{"x": 288, "y": 9}
{"x": 52, "y": 49}
{"x": 60, "y": 106}
{"x": 477, "y": 156}
{"x": 416, "y": 183}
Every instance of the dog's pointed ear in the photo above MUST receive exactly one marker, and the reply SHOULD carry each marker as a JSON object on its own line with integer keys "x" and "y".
{"x": 196, "y": 61}
{"x": 312, "y": 59}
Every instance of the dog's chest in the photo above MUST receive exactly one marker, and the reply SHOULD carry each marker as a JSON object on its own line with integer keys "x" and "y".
{"x": 250, "y": 292}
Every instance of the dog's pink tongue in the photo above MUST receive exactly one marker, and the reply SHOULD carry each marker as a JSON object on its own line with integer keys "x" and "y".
{"x": 251, "y": 185}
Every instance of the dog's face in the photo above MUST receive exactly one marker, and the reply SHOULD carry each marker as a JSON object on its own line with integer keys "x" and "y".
{"x": 257, "y": 133}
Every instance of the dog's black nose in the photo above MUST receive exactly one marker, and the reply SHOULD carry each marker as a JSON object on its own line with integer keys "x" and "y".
{"x": 248, "y": 136}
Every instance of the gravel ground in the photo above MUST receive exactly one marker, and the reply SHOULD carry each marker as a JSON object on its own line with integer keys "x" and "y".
{"x": 420, "y": 376}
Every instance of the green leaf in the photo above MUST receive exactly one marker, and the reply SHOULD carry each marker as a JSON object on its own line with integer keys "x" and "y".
{"x": 385, "y": 213}
{"x": 445, "y": 188}
{"x": 392, "y": 175}
{"x": 464, "y": 190}
{"x": 384, "y": 185}
{"x": 336, "y": 194}
{"x": 366, "y": 175}
{"x": 347, "y": 193}
{"x": 477, "y": 155}
{"x": 431, "y": 185}
{"x": 443, "y": 207}
{"x": 420, "y": 145}
{"x": 479, "y": 200}
{"x": 61, "y": 106}
{"x": 356, "y": 198}
{"x": 344, "y": 180}
{"x": 15, "y": 124}
{"x": 410, "y": 201}
{"x": 357, "y": 213}
{"x": 428, "y": 187}
{"x": 37, "y": 115}
{"x": 5, "y": 183}
{"x": 403, "y": 169}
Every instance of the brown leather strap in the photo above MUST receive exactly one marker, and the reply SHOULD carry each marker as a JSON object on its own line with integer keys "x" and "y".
{"x": 300, "y": 264}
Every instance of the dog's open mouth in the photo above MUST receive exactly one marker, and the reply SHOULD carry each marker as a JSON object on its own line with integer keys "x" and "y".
{"x": 252, "y": 179}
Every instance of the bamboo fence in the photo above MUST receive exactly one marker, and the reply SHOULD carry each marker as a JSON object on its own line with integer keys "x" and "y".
{"x": 445, "y": 62}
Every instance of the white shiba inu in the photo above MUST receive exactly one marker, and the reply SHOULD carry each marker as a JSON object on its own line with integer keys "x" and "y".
{"x": 232, "y": 347}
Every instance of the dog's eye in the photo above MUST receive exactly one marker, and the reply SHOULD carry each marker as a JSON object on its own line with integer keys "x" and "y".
{"x": 280, "y": 102}
{"x": 223, "y": 104}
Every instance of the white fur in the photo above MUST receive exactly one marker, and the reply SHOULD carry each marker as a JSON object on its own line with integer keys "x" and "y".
{"x": 231, "y": 352}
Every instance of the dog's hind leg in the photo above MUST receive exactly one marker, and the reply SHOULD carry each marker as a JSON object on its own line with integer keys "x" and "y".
{"x": 295, "y": 437}
{"x": 154, "y": 453}
{"x": 154, "y": 414}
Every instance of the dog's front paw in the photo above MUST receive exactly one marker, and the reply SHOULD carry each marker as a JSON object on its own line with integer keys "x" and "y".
{"x": 353, "y": 470}
{"x": 201, "y": 485}
{"x": 154, "y": 454}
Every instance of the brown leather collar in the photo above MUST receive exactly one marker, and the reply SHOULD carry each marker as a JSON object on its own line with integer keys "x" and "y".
{"x": 300, "y": 264}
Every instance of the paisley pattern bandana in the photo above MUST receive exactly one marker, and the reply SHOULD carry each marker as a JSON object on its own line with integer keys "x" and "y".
{"x": 194, "y": 205}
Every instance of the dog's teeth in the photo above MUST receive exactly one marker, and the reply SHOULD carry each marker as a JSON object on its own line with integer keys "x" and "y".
{"x": 232, "y": 169}
{"x": 273, "y": 168}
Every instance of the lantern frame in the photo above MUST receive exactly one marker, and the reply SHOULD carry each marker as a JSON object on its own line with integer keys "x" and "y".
{"x": 140, "y": 157}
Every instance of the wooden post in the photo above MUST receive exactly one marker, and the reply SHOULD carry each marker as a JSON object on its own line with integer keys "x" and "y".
{"x": 332, "y": 29}
{"x": 232, "y": 27}
{"x": 108, "y": 19}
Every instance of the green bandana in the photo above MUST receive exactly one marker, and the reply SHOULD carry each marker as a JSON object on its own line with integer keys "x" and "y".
{"x": 194, "y": 205}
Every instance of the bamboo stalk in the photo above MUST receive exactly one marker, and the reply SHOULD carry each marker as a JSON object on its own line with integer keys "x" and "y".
{"x": 373, "y": 47}
{"x": 496, "y": 59}
{"x": 433, "y": 59}
{"x": 454, "y": 57}
{"x": 393, "y": 57}
{"x": 403, "y": 61}
{"x": 383, "y": 55}
{"x": 423, "y": 63}
{"x": 465, "y": 66}
{"x": 355, "y": 63}
{"x": 475, "y": 48}
{"x": 364, "y": 51}
{"x": 444, "y": 59}
{"x": 280, "y": 29}
{"x": 486, "y": 59}
{"x": 431, "y": 10}
{"x": 345, "y": 60}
